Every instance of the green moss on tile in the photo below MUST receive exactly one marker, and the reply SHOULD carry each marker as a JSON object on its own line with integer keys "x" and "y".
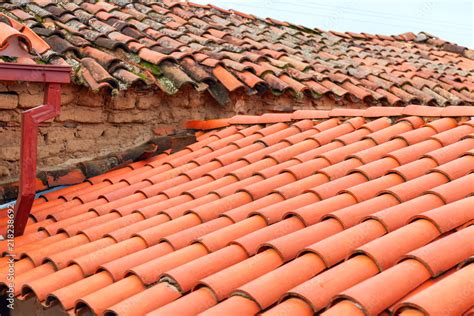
{"x": 154, "y": 69}
{"x": 166, "y": 85}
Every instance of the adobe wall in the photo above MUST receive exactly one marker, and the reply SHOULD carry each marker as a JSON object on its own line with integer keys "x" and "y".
{"x": 94, "y": 124}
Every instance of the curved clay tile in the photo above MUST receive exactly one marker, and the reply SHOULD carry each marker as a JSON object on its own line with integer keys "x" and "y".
{"x": 267, "y": 208}
{"x": 227, "y": 79}
{"x": 13, "y": 43}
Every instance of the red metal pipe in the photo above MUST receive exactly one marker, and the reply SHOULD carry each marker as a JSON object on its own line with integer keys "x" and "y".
{"x": 53, "y": 76}
{"x": 30, "y": 120}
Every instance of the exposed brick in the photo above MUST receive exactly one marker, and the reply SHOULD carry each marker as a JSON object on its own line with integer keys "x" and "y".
{"x": 92, "y": 131}
{"x": 28, "y": 101}
{"x": 68, "y": 95}
{"x": 54, "y": 135}
{"x": 80, "y": 145}
{"x": 81, "y": 114}
{"x": 50, "y": 161}
{"x": 10, "y": 153}
{"x": 34, "y": 87}
{"x": 147, "y": 102}
{"x": 130, "y": 116}
{"x": 163, "y": 130}
{"x": 49, "y": 150}
{"x": 4, "y": 172}
{"x": 10, "y": 136}
{"x": 88, "y": 98}
{"x": 8, "y": 101}
{"x": 16, "y": 86}
{"x": 123, "y": 102}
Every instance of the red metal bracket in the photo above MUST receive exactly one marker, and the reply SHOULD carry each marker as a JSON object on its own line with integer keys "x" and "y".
{"x": 53, "y": 76}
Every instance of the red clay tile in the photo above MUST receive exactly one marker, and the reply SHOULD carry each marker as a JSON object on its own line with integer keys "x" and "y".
{"x": 186, "y": 276}
{"x": 378, "y": 111}
{"x": 150, "y": 271}
{"x": 227, "y": 79}
{"x": 449, "y": 216}
{"x": 154, "y": 234}
{"x": 106, "y": 296}
{"x": 367, "y": 190}
{"x": 240, "y": 303}
{"x": 396, "y": 215}
{"x": 454, "y": 190}
{"x": 441, "y": 296}
{"x": 183, "y": 238}
{"x": 43, "y": 286}
{"x": 241, "y": 212}
{"x": 289, "y": 245}
{"x": 343, "y": 112}
{"x": 335, "y": 248}
{"x": 293, "y": 306}
{"x": 191, "y": 304}
{"x": 451, "y": 111}
{"x": 414, "y": 271}
{"x": 226, "y": 281}
{"x": 220, "y": 238}
{"x": 399, "y": 242}
{"x": 458, "y": 244}
{"x": 274, "y": 212}
{"x": 309, "y": 217}
{"x": 352, "y": 214}
{"x": 117, "y": 268}
{"x": 252, "y": 241}
{"x": 324, "y": 190}
{"x": 408, "y": 190}
{"x": 309, "y": 114}
{"x": 336, "y": 279}
{"x": 265, "y": 291}
{"x": 280, "y": 42}
{"x": 420, "y": 110}
{"x": 207, "y": 125}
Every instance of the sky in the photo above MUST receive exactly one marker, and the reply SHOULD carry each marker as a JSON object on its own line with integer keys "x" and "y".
{"x": 451, "y": 20}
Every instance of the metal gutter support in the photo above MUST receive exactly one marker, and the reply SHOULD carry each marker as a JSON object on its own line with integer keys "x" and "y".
{"x": 53, "y": 76}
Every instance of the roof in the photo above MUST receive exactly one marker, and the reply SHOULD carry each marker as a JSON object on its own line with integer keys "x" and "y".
{"x": 282, "y": 213}
{"x": 115, "y": 45}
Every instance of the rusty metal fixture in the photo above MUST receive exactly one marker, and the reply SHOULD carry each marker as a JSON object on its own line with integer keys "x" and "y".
{"x": 53, "y": 76}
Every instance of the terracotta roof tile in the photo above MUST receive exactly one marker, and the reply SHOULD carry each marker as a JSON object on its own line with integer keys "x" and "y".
{"x": 241, "y": 51}
{"x": 259, "y": 213}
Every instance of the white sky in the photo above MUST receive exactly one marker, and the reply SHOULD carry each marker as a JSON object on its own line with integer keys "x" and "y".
{"x": 451, "y": 20}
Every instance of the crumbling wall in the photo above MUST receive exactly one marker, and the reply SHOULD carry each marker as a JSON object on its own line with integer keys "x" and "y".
{"x": 95, "y": 124}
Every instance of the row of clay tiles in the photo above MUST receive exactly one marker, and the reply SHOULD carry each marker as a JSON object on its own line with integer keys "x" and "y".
{"x": 372, "y": 112}
{"x": 453, "y": 111}
{"x": 51, "y": 179}
{"x": 354, "y": 142}
{"x": 261, "y": 66}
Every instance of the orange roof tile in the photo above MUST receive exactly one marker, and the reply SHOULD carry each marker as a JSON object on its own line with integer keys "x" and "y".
{"x": 19, "y": 42}
{"x": 116, "y": 45}
{"x": 293, "y": 213}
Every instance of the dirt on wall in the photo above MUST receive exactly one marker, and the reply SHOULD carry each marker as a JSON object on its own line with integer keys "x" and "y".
{"x": 95, "y": 124}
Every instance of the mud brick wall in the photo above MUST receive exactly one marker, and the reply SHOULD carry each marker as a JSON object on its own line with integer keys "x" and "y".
{"x": 94, "y": 124}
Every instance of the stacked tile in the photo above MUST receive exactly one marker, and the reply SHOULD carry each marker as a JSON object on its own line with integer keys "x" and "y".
{"x": 20, "y": 41}
{"x": 170, "y": 44}
{"x": 279, "y": 213}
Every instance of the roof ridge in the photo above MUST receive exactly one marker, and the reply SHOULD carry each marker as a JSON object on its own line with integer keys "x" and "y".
{"x": 371, "y": 112}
